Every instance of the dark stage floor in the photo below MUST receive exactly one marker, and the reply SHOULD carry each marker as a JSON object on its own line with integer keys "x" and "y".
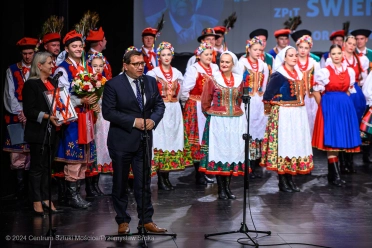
{"x": 321, "y": 214}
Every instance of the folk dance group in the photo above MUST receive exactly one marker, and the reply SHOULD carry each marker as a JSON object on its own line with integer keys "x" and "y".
{"x": 196, "y": 119}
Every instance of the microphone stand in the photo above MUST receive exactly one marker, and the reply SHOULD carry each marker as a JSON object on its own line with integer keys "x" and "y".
{"x": 246, "y": 137}
{"x": 47, "y": 135}
{"x": 142, "y": 233}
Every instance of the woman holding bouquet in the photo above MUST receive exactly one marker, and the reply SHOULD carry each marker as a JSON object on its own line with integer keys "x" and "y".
{"x": 170, "y": 152}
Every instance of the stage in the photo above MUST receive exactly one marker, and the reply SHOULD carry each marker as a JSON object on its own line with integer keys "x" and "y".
{"x": 320, "y": 214}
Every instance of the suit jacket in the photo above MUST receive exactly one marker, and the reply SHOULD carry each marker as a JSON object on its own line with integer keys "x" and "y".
{"x": 34, "y": 102}
{"x": 120, "y": 108}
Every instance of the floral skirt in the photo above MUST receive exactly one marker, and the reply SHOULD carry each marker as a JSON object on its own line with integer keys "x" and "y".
{"x": 194, "y": 122}
{"x": 286, "y": 147}
{"x": 171, "y": 151}
{"x": 255, "y": 147}
{"x": 223, "y": 146}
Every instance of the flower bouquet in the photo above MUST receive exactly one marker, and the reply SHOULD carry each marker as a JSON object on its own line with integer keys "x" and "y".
{"x": 87, "y": 84}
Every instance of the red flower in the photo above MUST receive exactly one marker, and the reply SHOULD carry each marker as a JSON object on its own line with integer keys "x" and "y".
{"x": 174, "y": 164}
{"x": 86, "y": 78}
{"x": 99, "y": 76}
{"x": 86, "y": 87}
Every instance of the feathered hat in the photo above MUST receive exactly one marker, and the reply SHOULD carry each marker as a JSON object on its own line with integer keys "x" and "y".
{"x": 228, "y": 24}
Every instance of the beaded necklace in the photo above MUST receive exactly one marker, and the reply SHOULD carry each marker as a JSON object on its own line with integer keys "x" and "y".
{"x": 291, "y": 74}
{"x": 229, "y": 83}
{"x": 207, "y": 70}
{"x": 254, "y": 65}
{"x": 168, "y": 75}
{"x": 350, "y": 64}
{"x": 303, "y": 67}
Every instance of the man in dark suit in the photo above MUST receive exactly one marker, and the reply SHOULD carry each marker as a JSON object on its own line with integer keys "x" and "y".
{"x": 122, "y": 106}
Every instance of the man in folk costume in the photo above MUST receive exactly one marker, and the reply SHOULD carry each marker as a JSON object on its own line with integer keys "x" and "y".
{"x": 361, "y": 36}
{"x": 282, "y": 41}
{"x": 51, "y": 40}
{"x": 216, "y": 37}
{"x": 263, "y": 34}
{"x": 208, "y": 36}
{"x": 16, "y": 76}
{"x": 220, "y": 45}
{"x": 148, "y": 51}
{"x": 75, "y": 156}
{"x": 97, "y": 41}
{"x": 298, "y": 34}
{"x": 337, "y": 37}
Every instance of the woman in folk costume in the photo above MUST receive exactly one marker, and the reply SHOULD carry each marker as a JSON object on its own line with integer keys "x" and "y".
{"x": 223, "y": 146}
{"x": 360, "y": 64}
{"x": 255, "y": 76}
{"x": 97, "y": 62}
{"x": 308, "y": 66}
{"x": 195, "y": 77}
{"x": 287, "y": 143}
{"x": 336, "y": 126}
{"x": 170, "y": 152}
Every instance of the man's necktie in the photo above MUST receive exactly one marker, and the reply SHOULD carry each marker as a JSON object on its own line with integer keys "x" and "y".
{"x": 139, "y": 96}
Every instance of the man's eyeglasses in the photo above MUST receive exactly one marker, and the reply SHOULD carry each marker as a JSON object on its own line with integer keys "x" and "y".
{"x": 138, "y": 64}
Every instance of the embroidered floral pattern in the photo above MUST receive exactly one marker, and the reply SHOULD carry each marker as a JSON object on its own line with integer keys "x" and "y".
{"x": 166, "y": 161}
{"x": 270, "y": 158}
{"x": 190, "y": 118}
{"x": 213, "y": 167}
{"x": 255, "y": 149}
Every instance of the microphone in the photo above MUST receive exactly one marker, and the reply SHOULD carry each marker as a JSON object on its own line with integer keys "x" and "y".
{"x": 57, "y": 76}
{"x": 142, "y": 83}
{"x": 245, "y": 96}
